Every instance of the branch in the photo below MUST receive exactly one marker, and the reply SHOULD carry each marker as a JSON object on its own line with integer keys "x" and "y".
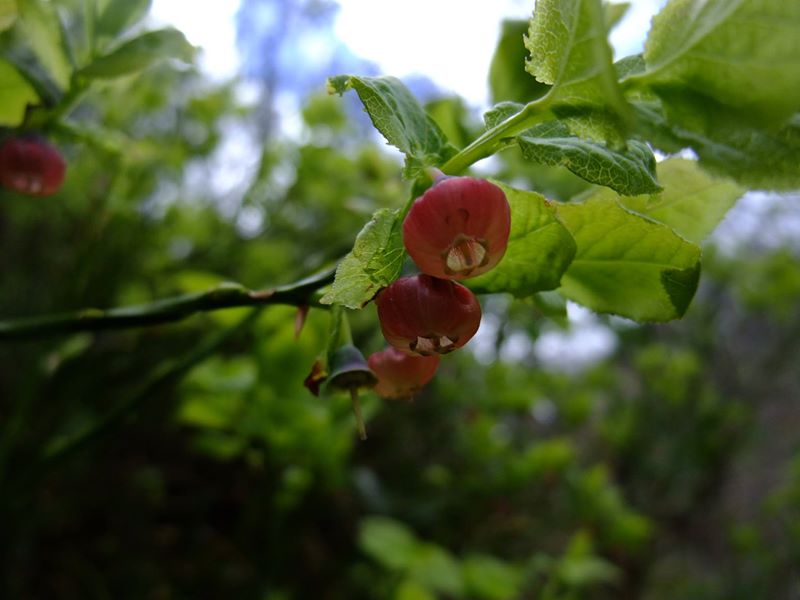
{"x": 299, "y": 293}
{"x": 488, "y": 143}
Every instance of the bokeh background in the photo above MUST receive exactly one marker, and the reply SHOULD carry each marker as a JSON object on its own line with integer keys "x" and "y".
{"x": 562, "y": 456}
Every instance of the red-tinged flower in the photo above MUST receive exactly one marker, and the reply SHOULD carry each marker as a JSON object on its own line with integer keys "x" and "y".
{"x": 458, "y": 228}
{"x": 31, "y": 166}
{"x": 401, "y": 375}
{"x": 425, "y": 315}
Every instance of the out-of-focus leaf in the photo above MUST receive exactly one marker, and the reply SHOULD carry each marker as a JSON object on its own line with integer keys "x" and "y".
{"x": 15, "y": 95}
{"x": 615, "y": 11}
{"x": 452, "y": 117}
{"x": 508, "y": 80}
{"x": 387, "y": 541}
{"x": 139, "y": 53}
{"x": 8, "y": 13}
{"x": 411, "y": 590}
{"x": 486, "y": 577}
{"x": 34, "y": 45}
{"x": 119, "y": 15}
{"x": 751, "y": 156}
{"x": 437, "y": 570}
{"x": 723, "y": 62}
{"x": 580, "y": 567}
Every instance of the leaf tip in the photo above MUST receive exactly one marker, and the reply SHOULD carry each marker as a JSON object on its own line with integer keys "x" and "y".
{"x": 338, "y": 84}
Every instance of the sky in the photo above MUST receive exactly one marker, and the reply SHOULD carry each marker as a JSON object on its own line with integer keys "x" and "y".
{"x": 437, "y": 38}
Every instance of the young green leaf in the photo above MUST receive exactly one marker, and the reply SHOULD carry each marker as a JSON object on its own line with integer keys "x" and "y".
{"x": 569, "y": 50}
{"x": 139, "y": 53}
{"x": 631, "y": 171}
{"x": 692, "y": 203}
{"x": 400, "y": 118}
{"x": 375, "y": 261}
{"x": 627, "y": 264}
{"x": 500, "y": 112}
{"x": 15, "y": 95}
{"x": 539, "y": 249}
{"x": 735, "y": 60}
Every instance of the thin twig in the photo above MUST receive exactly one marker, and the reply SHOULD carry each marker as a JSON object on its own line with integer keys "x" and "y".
{"x": 300, "y": 293}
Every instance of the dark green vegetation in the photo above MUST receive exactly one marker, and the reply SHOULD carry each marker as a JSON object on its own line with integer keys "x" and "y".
{"x": 186, "y": 459}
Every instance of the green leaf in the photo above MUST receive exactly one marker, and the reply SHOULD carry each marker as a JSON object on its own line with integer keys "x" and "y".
{"x": 139, "y": 53}
{"x": 508, "y": 80}
{"x": 39, "y": 26}
{"x": 500, "y": 112}
{"x": 751, "y": 156}
{"x": 486, "y": 577}
{"x": 579, "y": 567}
{"x": 34, "y": 45}
{"x": 569, "y": 50}
{"x": 411, "y": 590}
{"x": 631, "y": 171}
{"x": 692, "y": 203}
{"x": 627, "y": 264}
{"x": 453, "y": 117}
{"x": 119, "y": 15}
{"x": 630, "y": 65}
{"x": 726, "y": 61}
{"x": 375, "y": 262}
{"x": 399, "y": 117}
{"x": 585, "y": 571}
{"x": 387, "y": 541}
{"x": 551, "y": 304}
{"x": 539, "y": 249}
{"x": 8, "y": 13}
{"x": 436, "y": 569}
{"x": 15, "y": 95}
{"x": 758, "y": 159}
{"x": 615, "y": 12}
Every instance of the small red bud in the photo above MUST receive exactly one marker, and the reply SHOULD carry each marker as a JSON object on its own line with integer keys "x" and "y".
{"x": 401, "y": 375}
{"x": 458, "y": 228}
{"x": 424, "y": 315}
{"x": 31, "y": 166}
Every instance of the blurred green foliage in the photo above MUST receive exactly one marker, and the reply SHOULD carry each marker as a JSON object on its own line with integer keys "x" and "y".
{"x": 667, "y": 469}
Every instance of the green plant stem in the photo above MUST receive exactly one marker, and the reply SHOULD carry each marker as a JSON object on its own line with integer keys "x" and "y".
{"x": 356, "y": 405}
{"x": 300, "y": 293}
{"x": 490, "y": 141}
{"x": 89, "y": 18}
